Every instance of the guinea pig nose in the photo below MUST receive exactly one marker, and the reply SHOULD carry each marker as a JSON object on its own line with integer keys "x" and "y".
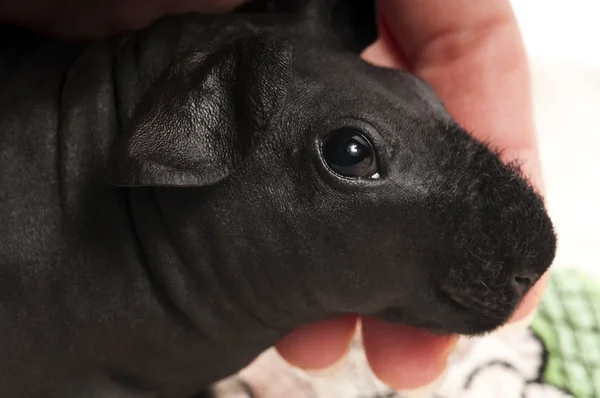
{"x": 523, "y": 282}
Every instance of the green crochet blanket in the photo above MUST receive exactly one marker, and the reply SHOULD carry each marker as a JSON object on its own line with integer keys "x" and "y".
{"x": 568, "y": 326}
{"x": 557, "y": 357}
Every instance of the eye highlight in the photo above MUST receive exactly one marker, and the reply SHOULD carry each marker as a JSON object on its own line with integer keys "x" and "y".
{"x": 349, "y": 153}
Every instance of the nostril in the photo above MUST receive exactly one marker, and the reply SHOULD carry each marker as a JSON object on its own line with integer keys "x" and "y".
{"x": 523, "y": 283}
{"x": 523, "y": 280}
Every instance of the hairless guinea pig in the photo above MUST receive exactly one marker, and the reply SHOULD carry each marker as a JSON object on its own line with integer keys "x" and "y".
{"x": 173, "y": 201}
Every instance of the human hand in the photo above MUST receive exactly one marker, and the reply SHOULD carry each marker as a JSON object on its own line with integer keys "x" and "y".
{"x": 473, "y": 56}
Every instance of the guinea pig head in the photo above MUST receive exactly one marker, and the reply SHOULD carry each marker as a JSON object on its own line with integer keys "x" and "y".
{"x": 423, "y": 224}
{"x": 325, "y": 186}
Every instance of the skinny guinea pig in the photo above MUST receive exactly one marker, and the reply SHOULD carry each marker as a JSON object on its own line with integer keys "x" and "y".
{"x": 173, "y": 201}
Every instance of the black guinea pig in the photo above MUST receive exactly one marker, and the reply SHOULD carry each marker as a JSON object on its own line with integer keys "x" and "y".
{"x": 173, "y": 201}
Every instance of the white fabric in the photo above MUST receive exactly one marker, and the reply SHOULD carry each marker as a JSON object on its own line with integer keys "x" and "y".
{"x": 495, "y": 366}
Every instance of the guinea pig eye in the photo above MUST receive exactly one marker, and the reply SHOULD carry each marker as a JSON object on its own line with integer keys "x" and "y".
{"x": 349, "y": 153}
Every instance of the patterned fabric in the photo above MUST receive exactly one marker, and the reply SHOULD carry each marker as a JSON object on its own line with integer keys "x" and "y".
{"x": 558, "y": 357}
{"x": 568, "y": 323}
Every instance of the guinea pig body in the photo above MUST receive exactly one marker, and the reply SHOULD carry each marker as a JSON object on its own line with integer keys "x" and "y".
{"x": 175, "y": 200}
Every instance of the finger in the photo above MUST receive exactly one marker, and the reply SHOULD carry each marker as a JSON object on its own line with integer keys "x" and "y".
{"x": 384, "y": 52}
{"x": 472, "y": 54}
{"x": 405, "y": 358}
{"x": 318, "y": 346}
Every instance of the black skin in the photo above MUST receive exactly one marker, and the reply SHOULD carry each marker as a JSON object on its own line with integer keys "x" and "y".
{"x": 171, "y": 201}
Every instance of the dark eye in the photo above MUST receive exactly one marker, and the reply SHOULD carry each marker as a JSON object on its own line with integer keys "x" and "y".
{"x": 349, "y": 153}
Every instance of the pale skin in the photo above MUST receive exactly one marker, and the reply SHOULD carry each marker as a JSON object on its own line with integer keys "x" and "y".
{"x": 471, "y": 52}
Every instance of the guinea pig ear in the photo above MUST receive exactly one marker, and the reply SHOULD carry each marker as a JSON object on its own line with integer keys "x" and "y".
{"x": 205, "y": 115}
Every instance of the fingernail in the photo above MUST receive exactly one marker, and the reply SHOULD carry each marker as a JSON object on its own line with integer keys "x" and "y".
{"x": 426, "y": 391}
{"x": 518, "y": 326}
{"x": 331, "y": 370}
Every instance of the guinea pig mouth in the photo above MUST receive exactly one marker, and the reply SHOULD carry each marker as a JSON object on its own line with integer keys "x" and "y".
{"x": 494, "y": 304}
{"x": 456, "y": 309}
{"x": 454, "y": 318}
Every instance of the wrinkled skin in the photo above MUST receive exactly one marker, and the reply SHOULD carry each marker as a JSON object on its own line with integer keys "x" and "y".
{"x": 221, "y": 225}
